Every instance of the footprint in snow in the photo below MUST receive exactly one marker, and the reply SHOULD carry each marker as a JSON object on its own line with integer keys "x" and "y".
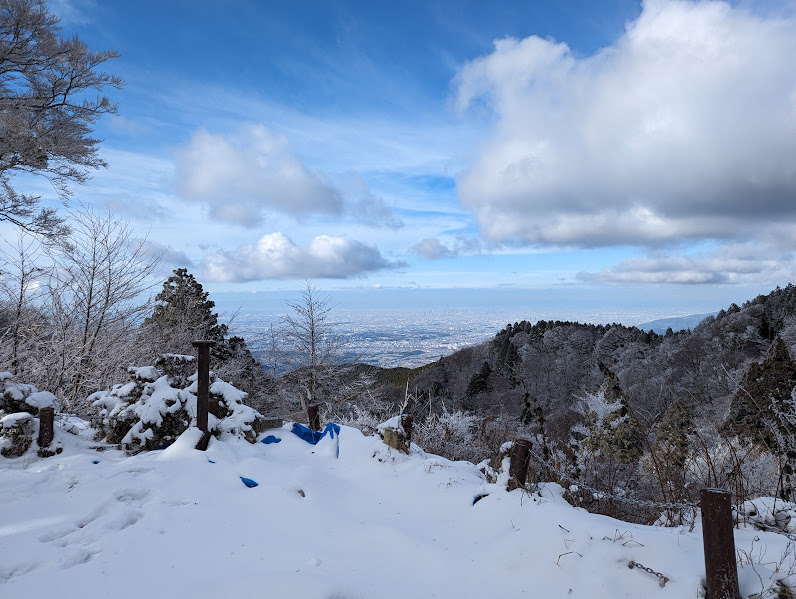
{"x": 115, "y": 514}
{"x": 125, "y": 520}
{"x": 77, "y": 557}
{"x": 135, "y": 497}
{"x": 9, "y": 572}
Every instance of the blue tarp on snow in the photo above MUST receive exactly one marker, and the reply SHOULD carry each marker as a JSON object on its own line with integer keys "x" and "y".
{"x": 311, "y": 436}
{"x": 271, "y": 439}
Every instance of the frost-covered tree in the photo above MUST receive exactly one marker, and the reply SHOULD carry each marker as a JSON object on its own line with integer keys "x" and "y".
{"x": 314, "y": 346}
{"x": 95, "y": 303}
{"x": 22, "y": 273}
{"x": 50, "y": 98}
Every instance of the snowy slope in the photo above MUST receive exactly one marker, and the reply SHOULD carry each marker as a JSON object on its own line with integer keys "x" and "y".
{"x": 371, "y": 523}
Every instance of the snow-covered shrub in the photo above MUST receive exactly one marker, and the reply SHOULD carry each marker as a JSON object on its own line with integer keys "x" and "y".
{"x": 153, "y": 409}
{"x": 178, "y": 367}
{"x": 450, "y": 434}
{"x": 738, "y": 465}
{"x": 358, "y": 417}
{"x": 16, "y": 434}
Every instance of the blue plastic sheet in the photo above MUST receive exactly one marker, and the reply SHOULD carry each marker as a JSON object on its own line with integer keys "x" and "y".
{"x": 270, "y": 439}
{"x": 311, "y": 436}
{"x": 249, "y": 482}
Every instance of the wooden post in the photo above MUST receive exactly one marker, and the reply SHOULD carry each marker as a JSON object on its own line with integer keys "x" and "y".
{"x": 46, "y": 423}
{"x": 204, "y": 441}
{"x": 203, "y": 382}
{"x": 314, "y": 418}
{"x": 407, "y": 422}
{"x": 721, "y": 573}
{"x": 518, "y": 468}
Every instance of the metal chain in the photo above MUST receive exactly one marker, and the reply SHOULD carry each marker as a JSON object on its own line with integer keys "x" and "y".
{"x": 662, "y": 579}
{"x": 640, "y": 502}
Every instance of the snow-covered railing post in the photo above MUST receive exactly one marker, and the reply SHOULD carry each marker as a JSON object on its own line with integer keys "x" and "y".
{"x": 314, "y": 418}
{"x": 406, "y": 423}
{"x": 203, "y": 390}
{"x": 721, "y": 573}
{"x": 518, "y": 467}
{"x": 46, "y": 423}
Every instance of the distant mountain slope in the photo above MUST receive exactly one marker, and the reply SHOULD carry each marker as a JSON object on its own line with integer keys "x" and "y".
{"x": 677, "y": 323}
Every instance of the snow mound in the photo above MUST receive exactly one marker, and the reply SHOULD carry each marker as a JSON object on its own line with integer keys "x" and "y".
{"x": 770, "y": 513}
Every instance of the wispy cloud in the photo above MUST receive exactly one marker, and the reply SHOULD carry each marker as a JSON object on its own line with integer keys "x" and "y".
{"x": 276, "y": 256}
{"x": 432, "y": 248}
{"x": 369, "y": 209}
{"x": 73, "y": 12}
{"x": 731, "y": 264}
{"x": 168, "y": 256}
{"x": 683, "y": 129}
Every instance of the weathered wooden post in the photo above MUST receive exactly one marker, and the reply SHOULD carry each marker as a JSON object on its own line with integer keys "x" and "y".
{"x": 518, "y": 467}
{"x": 46, "y": 424}
{"x": 407, "y": 422}
{"x": 721, "y": 572}
{"x": 314, "y": 418}
{"x": 203, "y": 390}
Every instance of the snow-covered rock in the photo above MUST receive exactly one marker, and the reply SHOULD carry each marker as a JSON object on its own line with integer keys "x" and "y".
{"x": 41, "y": 399}
{"x": 19, "y": 405}
{"x": 14, "y": 396}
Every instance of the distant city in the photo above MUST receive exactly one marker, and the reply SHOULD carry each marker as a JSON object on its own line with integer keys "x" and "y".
{"x": 411, "y": 337}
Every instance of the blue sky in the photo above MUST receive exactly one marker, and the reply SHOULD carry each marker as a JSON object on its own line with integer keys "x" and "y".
{"x": 607, "y": 149}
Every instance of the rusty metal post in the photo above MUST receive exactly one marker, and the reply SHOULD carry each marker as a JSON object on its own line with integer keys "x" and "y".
{"x": 721, "y": 572}
{"x": 203, "y": 382}
{"x": 314, "y": 418}
{"x": 46, "y": 424}
{"x": 520, "y": 459}
{"x": 407, "y": 422}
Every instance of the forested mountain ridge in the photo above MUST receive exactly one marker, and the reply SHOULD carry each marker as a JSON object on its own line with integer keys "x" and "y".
{"x": 553, "y": 360}
{"x": 620, "y": 407}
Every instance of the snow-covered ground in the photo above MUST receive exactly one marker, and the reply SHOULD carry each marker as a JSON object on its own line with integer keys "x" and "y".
{"x": 370, "y": 522}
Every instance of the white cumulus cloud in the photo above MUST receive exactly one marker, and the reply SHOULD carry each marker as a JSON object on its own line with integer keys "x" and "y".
{"x": 683, "y": 129}
{"x": 276, "y": 256}
{"x": 242, "y": 177}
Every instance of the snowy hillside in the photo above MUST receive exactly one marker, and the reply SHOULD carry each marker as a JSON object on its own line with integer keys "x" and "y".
{"x": 369, "y": 522}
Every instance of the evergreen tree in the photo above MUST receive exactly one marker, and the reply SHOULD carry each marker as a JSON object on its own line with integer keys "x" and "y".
{"x": 609, "y": 430}
{"x": 479, "y": 383}
{"x": 672, "y": 435}
{"x": 183, "y": 312}
{"x": 766, "y": 385}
